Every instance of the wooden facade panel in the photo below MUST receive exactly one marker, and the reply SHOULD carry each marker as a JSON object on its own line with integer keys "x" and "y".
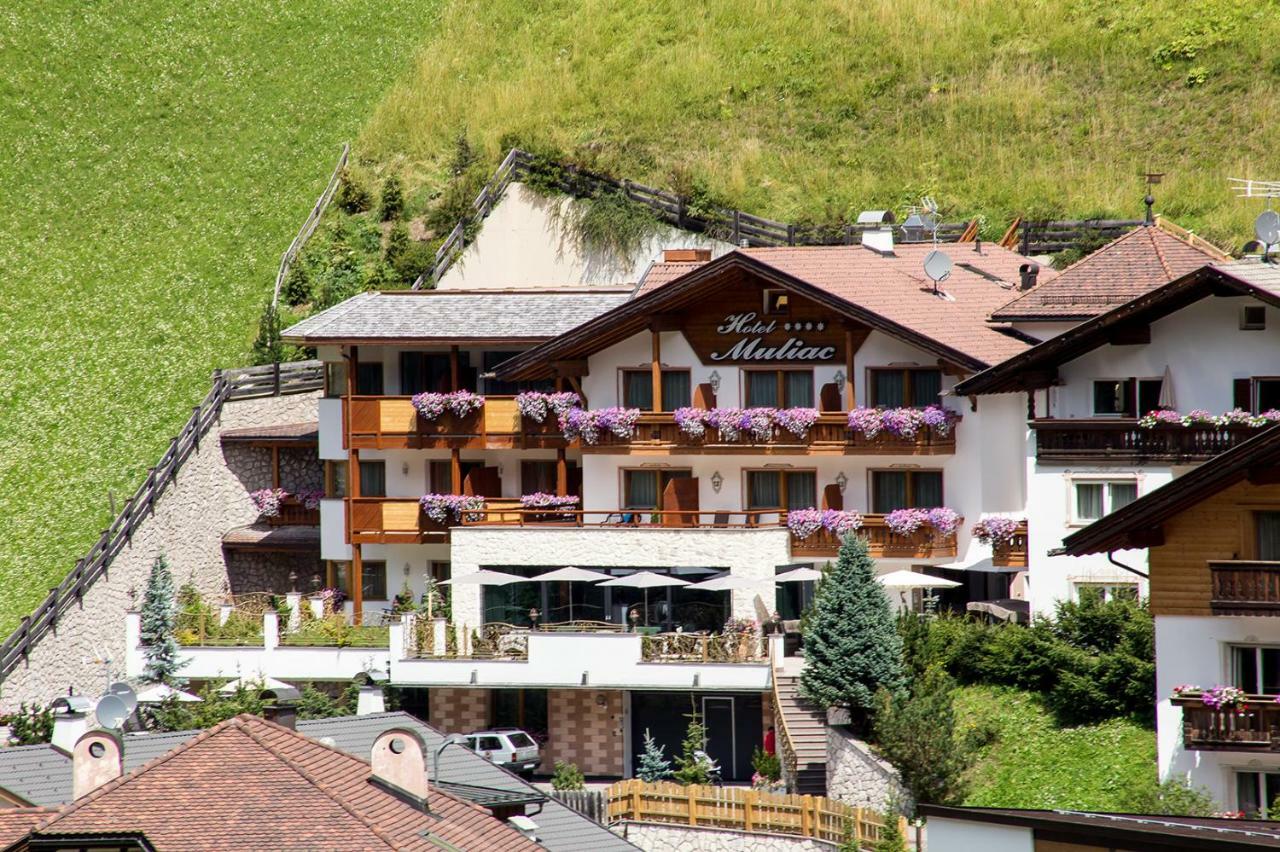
{"x": 397, "y": 416}
{"x": 400, "y": 515}
{"x": 501, "y": 417}
{"x": 731, "y": 326}
{"x": 1218, "y": 529}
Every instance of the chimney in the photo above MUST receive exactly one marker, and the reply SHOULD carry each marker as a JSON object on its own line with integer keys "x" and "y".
{"x": 369, "y": 699}
{"x": 1027, "y": 273}
{"x": 96, "y": 758}
{"x": 524, "y": 825}
{"x": 399, "y": 761}
{"x": 879, "y": 240}
{"x": 280, "y": 706}
{"x": 686, "y": 255}
{"x": 70, "y": 720}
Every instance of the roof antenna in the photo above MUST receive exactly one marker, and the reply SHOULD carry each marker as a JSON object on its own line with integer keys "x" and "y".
{"x": 1267, "y": 226}
{"x": 937, "y": 264}
{"x": 1153, "y": 178}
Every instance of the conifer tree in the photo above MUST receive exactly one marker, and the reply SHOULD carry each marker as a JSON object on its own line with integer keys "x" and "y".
{"x": 158, "y": 621}
{"x": 851, "y": 644}
{"x": 654, "y": 765}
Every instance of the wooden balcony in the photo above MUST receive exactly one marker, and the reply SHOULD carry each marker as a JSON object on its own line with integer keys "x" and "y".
{"x": 294, "y": 514}
{"x": 391, "y": 520}
{"x": 392, "y": 423}
{"x": 1253, "y": 726}
{"x": 515, "y": 516}
{"x": 658, "y": 434}
{"x": 882, "y": 543}
{"x": 1245, "y": 588}
{"x": 1098, "y": 440}
{"x": 1011, "y": 554}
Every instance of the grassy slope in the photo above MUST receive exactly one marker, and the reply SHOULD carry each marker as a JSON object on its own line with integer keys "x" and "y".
{"x": 1034, "y": 764}
{"x": 816, "y": 109}
{"x": 159, "y": 158}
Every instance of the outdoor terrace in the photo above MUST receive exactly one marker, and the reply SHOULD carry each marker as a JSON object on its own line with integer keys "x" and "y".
{"x": 1123, "y": 440}
{"x": 392, "y": 423}
{"x": 1252, "y": 725}
{"x": 1245, "y": 588}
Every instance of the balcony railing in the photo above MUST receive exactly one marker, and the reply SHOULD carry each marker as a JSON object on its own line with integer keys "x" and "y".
{"x": 658, "y": 433}
{"x": 1012, "y": 553}
{"x": 391, "y": 422}
{"x": 390, "y": 520}
{"x": 882, "y": 542}
{"x": 1252, "y": 726}
{"x": 1245, "y": 588}
{"x": 1070, "y": 441}
{"x": 293, "y": 513}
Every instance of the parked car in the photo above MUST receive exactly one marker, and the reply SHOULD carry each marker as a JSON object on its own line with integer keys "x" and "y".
{"x": 508, "y": 747}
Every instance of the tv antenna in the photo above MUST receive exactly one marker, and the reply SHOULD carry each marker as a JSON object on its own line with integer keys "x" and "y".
{"x": 1266, "y": 227}
{"x": 937, "y": 263}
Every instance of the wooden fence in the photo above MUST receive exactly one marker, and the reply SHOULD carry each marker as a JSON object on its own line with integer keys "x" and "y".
{"x": 246, "y": 383}
{"x": 309, "y": 226}
{"x": 742, "y": 809}
{"x": 732, "y": 226}
{"x": 589, "y": 803}
{"x": 1048, "y": 236}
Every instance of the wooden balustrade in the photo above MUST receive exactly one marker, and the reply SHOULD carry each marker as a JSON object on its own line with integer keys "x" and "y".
{"x": 391, "y": 422}
{"x": 390, "y": 520}
{"x": 294, "y": 514}
{"x": 882, "y": 542}
{"x": 1252, "y": 726}
{"x": 1245, "y": 587}
{"x": 658, "y": 433}
{"x": 1013, "y": 553}
{"x": 1070, "y": 441}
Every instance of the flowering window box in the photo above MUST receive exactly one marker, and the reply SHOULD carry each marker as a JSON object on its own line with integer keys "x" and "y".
{"x": 1241, "y": 722}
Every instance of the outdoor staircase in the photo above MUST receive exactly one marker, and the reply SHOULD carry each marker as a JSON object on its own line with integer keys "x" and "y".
{"x": 802, "y": 732}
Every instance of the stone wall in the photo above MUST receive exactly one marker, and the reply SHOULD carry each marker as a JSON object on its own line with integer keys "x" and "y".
{"x": 653, "y": 837}
{"x": 857, "y": 776}
{"x": 586, "y": 730}
{"x": 249, "y": 572}
{"x": 458, "y": 710}
{"x": 209, "y": 497}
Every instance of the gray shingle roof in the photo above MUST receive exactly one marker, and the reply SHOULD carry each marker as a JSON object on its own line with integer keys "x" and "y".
{"x": 42, "y": 775}
{"x": 454, "y": 315}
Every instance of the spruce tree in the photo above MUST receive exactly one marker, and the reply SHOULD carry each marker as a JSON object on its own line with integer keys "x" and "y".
{"x": 916, "y": 732}
{"x": 654, "y": 765}
{"x": 690, "y": 769}
{"x": 851, "y": 644}
{"x": 158, "y": 620}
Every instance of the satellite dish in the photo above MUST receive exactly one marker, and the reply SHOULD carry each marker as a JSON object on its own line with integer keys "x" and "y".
{"x": 111, "y": 711}
{"x": 1267, "y": 227}
{"x": 125, "y": 693}
{"x": 937, "y": 265}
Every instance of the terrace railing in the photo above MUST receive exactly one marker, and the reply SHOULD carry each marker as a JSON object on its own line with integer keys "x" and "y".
{"x": 1245, "y": 587}
{"x": 1251, "y": 726}
{"x": 228, "y": 385}
{"x": 391, "y": 422}
{"x": 1070, "y": 441}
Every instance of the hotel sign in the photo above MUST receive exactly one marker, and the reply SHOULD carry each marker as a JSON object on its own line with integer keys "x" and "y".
{"x": 748, "y": 339}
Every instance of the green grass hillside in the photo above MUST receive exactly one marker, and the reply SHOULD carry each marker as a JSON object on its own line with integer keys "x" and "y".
{"x": 158, "y": 159}
{"x": 815, "y": 110}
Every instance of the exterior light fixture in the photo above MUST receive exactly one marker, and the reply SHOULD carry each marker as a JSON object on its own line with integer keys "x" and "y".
{"x": 839, "y": 377}
{"x": 717, "y": 482}
{"x": 586, "y": 678}
{"x": 841, "y": 481}
{"x": 714, "y": 381}
{"x": 475, "y": 676}
{"x": 601, "y": 700}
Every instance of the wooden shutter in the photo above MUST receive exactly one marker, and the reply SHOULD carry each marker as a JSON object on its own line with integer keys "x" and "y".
{"x": 829, "y": 398}
{"x": 681, "y": 495}
{"x": 1242, "y": 394}
{"x": 831, "y": 497}
{"x": 704, "y": 397}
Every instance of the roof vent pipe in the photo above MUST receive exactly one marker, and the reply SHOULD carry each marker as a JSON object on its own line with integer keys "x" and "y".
{"x": 280, "y": 705}
{"x": 70, "y": 720}
{"x": 1027, "y": 274}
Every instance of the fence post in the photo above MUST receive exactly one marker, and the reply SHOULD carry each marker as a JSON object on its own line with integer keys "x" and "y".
{"x": 805, "y": 828}
{"x": 791, "y": 235}
{"x": 693, "y": 804}
{"x": 635, "y": 800}
{"x": 747, "y": 801}
{"x": 275, "y": 375}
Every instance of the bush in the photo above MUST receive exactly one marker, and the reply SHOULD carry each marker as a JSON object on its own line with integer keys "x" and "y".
{"x": 29, "y": 725}
{"x": 568, "y": 777}
{"x": 343, "y": 279}
{"x": 296, "y": 289}
{"x": 397, "y": 243}
{"x": 1172, "y": 798}
{"x": 392, "y": 198}
{"x": 767, "y": 766}
{"x": 916, "y": 732}
{"x": 415, "y": 260}
{"x": 353, "y": 194}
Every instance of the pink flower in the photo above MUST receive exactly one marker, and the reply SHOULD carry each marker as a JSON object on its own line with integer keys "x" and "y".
{"x": 267, "y": 501}
{"x": 443, "y": 507}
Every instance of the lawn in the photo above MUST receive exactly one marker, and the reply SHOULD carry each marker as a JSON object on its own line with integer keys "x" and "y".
{"x": 158, "y": 159}
{"x": 1032, "y": 763}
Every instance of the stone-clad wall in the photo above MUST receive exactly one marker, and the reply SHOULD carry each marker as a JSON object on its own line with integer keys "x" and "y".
{"x": 459, "y": 710}
{"x": 209, "y": 498}
{"x": 857, "y": 776}
{"x": 585, "y": 730}
{"x": 673, "y": 838}
{"x": 249, "y": 572}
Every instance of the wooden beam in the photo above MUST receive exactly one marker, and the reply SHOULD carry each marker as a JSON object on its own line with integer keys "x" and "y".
{"x": 455, "y": 471}
{"x": 577, "y": 388}
{"x": 1149, "y": 537}
{"x": 562, "y": 473}
{"x": 570, "y": 369}
{"x": 1031, "y": 405}
{"x": 1130, "y": 334}
{"x": 453, "y": 368}
{"x": 666, "y": 322}
{"x": 656, "y": 366}
{"x": 1264, "y": 475}
{"x": 356, "y": 579}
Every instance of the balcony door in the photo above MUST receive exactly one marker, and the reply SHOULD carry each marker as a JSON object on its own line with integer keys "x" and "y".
{"x": 1267, "y": 528}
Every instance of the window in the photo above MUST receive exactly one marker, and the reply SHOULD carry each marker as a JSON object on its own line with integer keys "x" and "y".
{"x": 439, "y": 572}
{"x": 1096, "y": 498}
{"x": 1256, "y": 670}
{"x": 1267, "y": 535}
{"x": 373, "y": 577}
{"x": 335, "y": 479}
{"x": 637, "y": 389}
{"x": 1107, "y": 591}
{"x": 335, "y": 379}
{"x": 1266, "y": 394}
{"x": 421, "y": 372}
{"x": 369, "y": 378}
{"x": 776, "y": 302}
{"x": 642, "y": 489}
{"x": 1255, "y": 793}
{"x": 894, "y": 388}
{"x": 1253, "y": 318}
{"x": 373, "y": 479}
{"x": 905, "y": 489}
{"x": 519, "y": 708}
{"x": 1125, "y": 397}
{"x": 782, "y": 489}
{"x": 778, "y": 388}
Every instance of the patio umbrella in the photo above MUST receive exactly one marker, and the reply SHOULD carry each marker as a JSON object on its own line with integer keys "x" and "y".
{"x": 729, "y": 583}
{"x": 252, "y": 682}
{"x": 914, "y": 580}
{"x": 161, "y": 691}
{"x": 484, "y": 577}
{"x": 569, "y": 574}
{"x": 1166, "y": 399}
{"x": 799, "y": 575}
{"x": 646, "y": 580}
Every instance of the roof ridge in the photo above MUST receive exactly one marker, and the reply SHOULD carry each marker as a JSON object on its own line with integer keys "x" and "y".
{"x": 311, "y": 779}
{"x": 1155, "y": 245}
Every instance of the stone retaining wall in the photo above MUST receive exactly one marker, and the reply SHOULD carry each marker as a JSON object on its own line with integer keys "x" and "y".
{"x": 655, "y": 837}
{"x": 856, "y": 776}
{"x": 209, "y": 497}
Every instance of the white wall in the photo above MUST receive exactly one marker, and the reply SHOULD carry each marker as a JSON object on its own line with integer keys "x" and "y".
{"x": 958, "y": 835}
{"x": 1194, "y": 650}
{"x": 522, "y": 244}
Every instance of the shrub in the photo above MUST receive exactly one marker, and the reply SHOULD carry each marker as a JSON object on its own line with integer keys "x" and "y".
{"x": 343, "y": 279}
{"x": 1171, "y": 798}
{"x": 397, "y": 243}
{"x": 852, "y": 648}
{"x": 268, "y": 348}
{"x": 415, "y": 260}
{"x": 30, "y": 725}
{"x": 159, "y": 621}
{"x": 353, "y": 194}
{"x": 392, "y": 198}
{"x": 766, "y": 765}
{"x": 568, "y": 777}
{"x": 654, "y": 765}
{"x": 916, "y": 732}
{"x": 296, "y": 289}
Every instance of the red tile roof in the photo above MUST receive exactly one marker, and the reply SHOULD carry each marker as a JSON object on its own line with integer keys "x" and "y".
{"x": 1122, "y": 270}
{"x": 251, "y": 784}
{"x": 17, "y": 823}
{"x": 896, "y": 288}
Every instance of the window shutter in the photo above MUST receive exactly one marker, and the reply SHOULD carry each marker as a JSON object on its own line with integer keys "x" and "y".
{"x": 1241, "y": 394}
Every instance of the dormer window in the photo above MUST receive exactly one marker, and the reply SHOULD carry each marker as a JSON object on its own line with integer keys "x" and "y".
{"x": 776, "y": 302}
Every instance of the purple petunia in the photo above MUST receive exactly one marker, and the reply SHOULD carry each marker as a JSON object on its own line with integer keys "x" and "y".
{"x": 996, "y": 530}
{"x": 267, "y": 501}
{"x": 459, "y": 403}
{"x": 902, "y": 422}
{"x": 443, "y": 507}
{"x": 536, "y": 405}
{"x": 588, "y": 424}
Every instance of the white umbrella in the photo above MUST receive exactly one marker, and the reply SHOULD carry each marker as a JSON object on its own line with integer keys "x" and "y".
{"x": 253, "y": 682}
{"x": 646, "y": 580}
{"x": 484, "y": 577}
{"x": 798, "y": 575}
{"x": 1166, "y": 392}
{"x": 569, "y": 574}
{"x": 161, "y": 692}
{"x": 729, "y": 583}
{"x": 914, "y": 580}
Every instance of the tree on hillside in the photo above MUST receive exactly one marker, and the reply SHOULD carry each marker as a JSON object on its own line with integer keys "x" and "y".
{"x": 916, "y": 732}
{"x": 851, "y": 643}
{"x": 267, "y": 346}
{"x": 159, "y": 615}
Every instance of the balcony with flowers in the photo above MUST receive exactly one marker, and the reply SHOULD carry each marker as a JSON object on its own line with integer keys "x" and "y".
{"x": 900, "y": 534}
{"x": 881, "y": 431}
{"x": 1226, "y": 718}
{"x": 1007, "y": 538}
{"x": 280, "y": 508}
{"x": 461, "y": 419}
{"x": 1160, "y": 436}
